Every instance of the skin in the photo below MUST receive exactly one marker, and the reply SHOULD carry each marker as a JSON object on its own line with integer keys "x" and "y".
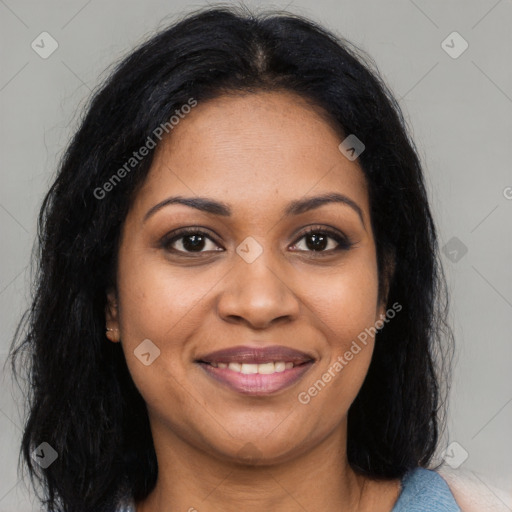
{"x": 257, "y": 153}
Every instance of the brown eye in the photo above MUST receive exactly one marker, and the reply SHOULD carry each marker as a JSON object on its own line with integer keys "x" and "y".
{"x": 324, "y": 240}
{"x": 189, "y": 240}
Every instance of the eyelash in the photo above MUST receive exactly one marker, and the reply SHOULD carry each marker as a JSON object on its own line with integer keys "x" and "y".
{"x": 344, "y": 243}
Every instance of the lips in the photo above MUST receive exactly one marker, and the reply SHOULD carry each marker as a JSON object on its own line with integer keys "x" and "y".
{"x": 256, "y": 370}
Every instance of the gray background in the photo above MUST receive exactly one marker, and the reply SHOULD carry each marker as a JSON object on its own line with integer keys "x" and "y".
{"x": 459, "y": 111}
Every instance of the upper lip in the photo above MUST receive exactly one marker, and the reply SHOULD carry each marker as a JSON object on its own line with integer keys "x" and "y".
{"x": 256, "y": 355}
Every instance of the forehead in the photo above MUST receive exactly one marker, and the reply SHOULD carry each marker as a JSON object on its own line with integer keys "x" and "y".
{"x": 258, "y": 150}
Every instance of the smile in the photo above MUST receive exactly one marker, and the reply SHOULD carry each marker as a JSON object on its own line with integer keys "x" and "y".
{"x": 256, "y": 371}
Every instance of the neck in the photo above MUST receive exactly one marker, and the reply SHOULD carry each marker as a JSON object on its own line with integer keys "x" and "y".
{"x": 191, "y": 480}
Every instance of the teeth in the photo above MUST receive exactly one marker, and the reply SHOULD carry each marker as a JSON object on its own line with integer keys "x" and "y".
{"x": 266, "y": 368}
{"x": 236, "y": 367}
{"x": 280, "y": 366}
{"x": 251, "y": 368}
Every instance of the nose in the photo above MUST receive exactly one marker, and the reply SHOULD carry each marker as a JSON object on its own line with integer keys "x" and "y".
{"x": 257, "y": 294}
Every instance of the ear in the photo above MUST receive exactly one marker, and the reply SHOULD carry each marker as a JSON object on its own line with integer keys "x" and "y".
{"x": 112, "y": 317}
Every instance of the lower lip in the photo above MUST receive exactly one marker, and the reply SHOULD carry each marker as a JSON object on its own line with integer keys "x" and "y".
{"x": 255, "y": 383}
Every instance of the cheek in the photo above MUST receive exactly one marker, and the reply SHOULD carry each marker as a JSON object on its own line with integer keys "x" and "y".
{"x": 345, "y": 308}
{"x": 157, "y": 301}
{"x": 154, "y": 306}
{"x": 165, "y": 315}
{"x": 346, "y": 302}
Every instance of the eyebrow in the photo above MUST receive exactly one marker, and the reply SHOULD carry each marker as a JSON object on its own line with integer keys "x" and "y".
{"x": 296, "y": 207}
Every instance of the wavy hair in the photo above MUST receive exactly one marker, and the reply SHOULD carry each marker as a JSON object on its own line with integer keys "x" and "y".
{"x": 81, "y": 398}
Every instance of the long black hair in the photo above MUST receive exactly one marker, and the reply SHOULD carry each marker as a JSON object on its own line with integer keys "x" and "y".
{"x": 82, "y": 400}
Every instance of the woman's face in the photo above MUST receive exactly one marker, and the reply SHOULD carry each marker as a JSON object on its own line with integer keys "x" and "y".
{"x": 248, "y": 289}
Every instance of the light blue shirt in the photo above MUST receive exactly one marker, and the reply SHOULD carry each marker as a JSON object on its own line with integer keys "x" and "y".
{"x": 423, "y": 490}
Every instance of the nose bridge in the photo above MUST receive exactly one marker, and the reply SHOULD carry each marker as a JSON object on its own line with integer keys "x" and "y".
{"x": 255, "y": 291}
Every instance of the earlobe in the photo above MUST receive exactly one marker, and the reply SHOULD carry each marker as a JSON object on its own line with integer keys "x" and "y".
{"x": 111, "y": 317}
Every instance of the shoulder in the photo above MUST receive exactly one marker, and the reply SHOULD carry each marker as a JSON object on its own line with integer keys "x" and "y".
{"x": 425, "y": 490}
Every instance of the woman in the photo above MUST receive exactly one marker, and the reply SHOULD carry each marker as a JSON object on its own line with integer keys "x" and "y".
{"x": 239, "y": 302}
